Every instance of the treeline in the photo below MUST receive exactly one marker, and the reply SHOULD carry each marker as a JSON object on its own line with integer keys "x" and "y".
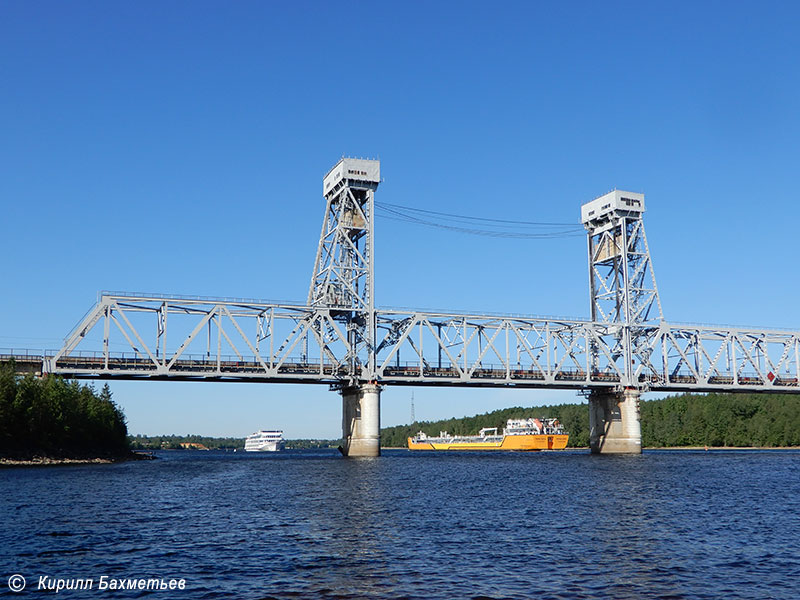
{"x": 54, "y": 418}
{"x": 714, "y": 420}
{"x": 309, "y": 444}
{"x": 174, "y": 442}
{"x": 747, "y": 420}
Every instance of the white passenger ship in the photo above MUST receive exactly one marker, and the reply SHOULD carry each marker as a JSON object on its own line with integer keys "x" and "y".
{"x": 264, "y": 441}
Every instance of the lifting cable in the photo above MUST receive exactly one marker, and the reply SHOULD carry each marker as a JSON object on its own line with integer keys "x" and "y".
{"x": 478, "y": 225}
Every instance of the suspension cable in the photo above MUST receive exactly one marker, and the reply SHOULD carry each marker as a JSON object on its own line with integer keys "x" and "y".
{"x": 478, "y": 225}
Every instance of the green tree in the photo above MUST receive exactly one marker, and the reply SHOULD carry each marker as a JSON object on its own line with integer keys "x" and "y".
{"x": 770, "y": 420}
{"x": 52, "y": 417}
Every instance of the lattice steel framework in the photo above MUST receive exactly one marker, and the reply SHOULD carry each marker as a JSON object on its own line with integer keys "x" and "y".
{"x": 343, "y": 279}
{"x": 339, "y": 337}
{"x": 622, "y": 284}
{"x": 134, "y": 336}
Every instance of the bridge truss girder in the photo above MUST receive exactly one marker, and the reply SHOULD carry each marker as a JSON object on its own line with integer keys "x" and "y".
{"x": 160, "y": 337}
{"x": 540, "y": 352}
{"x": 195, "y": 338}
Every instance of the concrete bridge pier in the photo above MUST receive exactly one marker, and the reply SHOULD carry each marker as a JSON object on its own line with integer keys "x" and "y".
{"x": 361, "y": 420}
{"x": 614, "y": 423}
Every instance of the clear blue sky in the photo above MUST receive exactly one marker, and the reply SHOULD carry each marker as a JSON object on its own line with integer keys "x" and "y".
{"x": 179, "y": 147}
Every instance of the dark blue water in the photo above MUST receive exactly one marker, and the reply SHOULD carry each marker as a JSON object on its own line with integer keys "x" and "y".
{"x": 424, "y": 525}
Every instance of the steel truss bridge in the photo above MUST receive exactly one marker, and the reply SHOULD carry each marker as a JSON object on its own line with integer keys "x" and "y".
{"x": 237, "y": 340}
{"x": 341, "y": 339}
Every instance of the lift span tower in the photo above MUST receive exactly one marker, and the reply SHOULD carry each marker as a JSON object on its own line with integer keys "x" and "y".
{"x": 339, "y": 337}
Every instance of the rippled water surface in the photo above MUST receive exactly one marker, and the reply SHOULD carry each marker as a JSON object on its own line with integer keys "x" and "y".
{"x": 677, "y": 524}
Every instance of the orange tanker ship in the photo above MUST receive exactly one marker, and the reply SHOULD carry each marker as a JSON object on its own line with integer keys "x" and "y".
{"x": 518, "y": 434}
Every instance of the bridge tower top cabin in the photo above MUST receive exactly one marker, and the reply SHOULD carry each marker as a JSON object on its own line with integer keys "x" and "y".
{"x": 622, "y": 283}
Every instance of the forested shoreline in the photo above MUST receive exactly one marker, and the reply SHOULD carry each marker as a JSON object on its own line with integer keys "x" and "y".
{"x": 574, "y": 417}
{"x": 56, "y": 419}
{"x": 202, "y": 442}
{"x": 183, "y": 442}
{"x": 713, "y": 420}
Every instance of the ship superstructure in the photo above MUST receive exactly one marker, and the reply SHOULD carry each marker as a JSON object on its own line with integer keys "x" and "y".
{"x": 264, "y": 441}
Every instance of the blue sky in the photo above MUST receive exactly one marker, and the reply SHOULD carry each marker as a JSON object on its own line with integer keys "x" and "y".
{"x": 180, "y": 148}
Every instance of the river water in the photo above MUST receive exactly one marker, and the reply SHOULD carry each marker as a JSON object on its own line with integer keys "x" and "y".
{"x": 310, "y": 524}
